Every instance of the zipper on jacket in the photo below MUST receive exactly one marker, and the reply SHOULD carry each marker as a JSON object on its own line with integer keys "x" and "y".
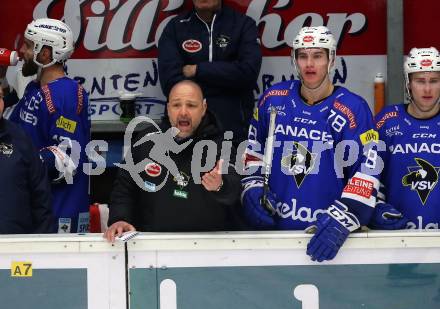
{"x": 210, "y": 30}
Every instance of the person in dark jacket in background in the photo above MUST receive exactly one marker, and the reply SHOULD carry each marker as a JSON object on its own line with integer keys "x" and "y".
{"x": 190, "y": 200}
{"x": 25, "y": 197}
{"x": 218, "y": 48}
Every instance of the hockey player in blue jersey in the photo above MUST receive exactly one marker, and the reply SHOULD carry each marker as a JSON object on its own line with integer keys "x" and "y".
{"x": 411, "y": 133}
{"x": 322, "y": 165}
{"x": 54, "y": 112}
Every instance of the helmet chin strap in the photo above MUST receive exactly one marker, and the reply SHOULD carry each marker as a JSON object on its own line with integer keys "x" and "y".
{"x": 40, "y": 65}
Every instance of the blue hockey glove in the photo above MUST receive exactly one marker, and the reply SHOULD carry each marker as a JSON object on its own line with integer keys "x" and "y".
{"x": 386, "y": 217}
{"x": 257, "y": 215}
{"x": 332, "y": 230}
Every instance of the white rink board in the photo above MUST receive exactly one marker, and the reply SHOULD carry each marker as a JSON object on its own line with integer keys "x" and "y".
{"x": 104, "y": 264}
{"x": 277, "y": 248}
{"x": 271, "y": 270}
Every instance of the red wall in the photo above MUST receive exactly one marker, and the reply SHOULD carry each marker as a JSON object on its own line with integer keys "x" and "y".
{"x": 421, "y": 24}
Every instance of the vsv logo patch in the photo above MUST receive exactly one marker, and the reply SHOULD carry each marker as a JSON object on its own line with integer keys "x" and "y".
{"x": 421, "y": 178}
{"x": 300, "y": 163}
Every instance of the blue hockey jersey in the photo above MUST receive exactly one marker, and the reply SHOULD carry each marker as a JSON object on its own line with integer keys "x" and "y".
{"x": 412, "y": 164}
{"x": 323, "y": 153}
{"x": 51, "y": 114}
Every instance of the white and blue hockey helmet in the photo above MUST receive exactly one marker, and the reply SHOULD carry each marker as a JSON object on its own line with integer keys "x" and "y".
{"x": 53, "y": 33}
{"x": 315, "y": 37}
{"x": 421, "y": 60}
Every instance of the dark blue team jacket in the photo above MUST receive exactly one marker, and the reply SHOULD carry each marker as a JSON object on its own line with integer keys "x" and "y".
{"x": 228, "y": 58}
{"x": 25, "y": 198}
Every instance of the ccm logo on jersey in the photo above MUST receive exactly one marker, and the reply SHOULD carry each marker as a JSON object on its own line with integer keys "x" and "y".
{"x": 191, "y": 46}
{"x": 66, "y": 124}
{"x": 359, "y": 186}
{"x": 424, "y": 135}
{"x": 304, "y": 120}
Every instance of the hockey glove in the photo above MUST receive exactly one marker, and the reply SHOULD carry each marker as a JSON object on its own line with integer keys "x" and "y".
{"x": 332, "y": 230}
{"x": 386, "y": 217}
{"x": 60, "y": 165}
{"x": 257, "y": 215}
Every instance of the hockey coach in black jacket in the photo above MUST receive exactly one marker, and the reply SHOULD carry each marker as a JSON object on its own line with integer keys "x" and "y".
{"x": 171, "y": 193}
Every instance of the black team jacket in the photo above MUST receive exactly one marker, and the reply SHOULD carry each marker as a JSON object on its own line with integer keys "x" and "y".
{"x": 180, "y": 205}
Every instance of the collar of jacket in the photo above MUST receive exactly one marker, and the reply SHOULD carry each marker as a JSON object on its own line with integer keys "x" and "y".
{"x": 208, "y": 128}
{"x": 217, "y": 13}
